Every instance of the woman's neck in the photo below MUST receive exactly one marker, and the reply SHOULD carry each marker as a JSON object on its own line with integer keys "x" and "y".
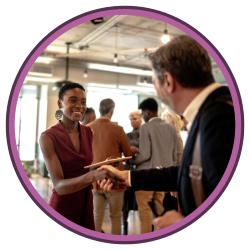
{"x": 69, "y": 125}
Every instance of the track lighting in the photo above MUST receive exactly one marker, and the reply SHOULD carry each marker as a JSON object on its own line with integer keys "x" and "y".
{"x": 115, "y": 59}
{"x": 85, "y": 75}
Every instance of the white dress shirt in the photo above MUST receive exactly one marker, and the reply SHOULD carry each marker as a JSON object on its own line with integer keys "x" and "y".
{"x": 193, "y": 108}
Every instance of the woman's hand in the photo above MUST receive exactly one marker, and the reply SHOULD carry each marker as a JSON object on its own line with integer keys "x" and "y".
{"x": 168, "y": 219}
{"x": 121, "y": 175}
{"x": 107, "y": 176}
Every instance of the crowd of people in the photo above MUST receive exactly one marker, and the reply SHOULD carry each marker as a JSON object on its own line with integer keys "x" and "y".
{"x": 160, "y": 166}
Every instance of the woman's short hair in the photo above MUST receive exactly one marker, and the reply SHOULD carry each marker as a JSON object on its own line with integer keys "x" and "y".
{"x": 135, "y": 113}
{"x": 174, "y": 120}
{"x": 68, "y": 86}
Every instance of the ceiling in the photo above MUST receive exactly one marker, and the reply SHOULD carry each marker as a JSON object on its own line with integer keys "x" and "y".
{"x": 116, "y": 32}
{"x": 98, "y": 43}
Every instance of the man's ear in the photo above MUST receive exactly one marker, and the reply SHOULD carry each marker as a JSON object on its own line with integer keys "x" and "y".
{"x": 169, "y": 82}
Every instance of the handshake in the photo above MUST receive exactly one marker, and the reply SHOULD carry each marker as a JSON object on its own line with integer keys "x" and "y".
{"x": 112, "y": 178}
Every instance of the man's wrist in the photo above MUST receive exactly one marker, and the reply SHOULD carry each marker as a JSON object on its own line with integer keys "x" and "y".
{"x": 125, "y": 176}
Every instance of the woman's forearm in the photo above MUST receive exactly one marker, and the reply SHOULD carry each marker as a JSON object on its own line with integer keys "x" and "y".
{"x": 72, "y": 185}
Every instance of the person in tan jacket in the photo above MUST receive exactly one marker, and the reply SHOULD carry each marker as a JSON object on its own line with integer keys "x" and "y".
{"x": 109, "y": 140}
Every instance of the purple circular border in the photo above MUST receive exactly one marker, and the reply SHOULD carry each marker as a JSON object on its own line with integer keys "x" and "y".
{"x": 139, "y": 11}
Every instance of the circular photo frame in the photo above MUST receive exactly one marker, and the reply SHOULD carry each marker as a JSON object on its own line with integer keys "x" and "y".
{"x": 139, "y": 11}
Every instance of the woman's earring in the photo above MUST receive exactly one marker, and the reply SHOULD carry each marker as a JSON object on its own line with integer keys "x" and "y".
{"x": 59, "y": 114}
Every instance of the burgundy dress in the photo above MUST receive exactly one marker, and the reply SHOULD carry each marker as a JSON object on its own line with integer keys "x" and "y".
{"x": 78, "y": 206}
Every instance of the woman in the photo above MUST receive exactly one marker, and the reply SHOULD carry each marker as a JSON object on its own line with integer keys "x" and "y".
{"x": 67, "y": 148}
{"x": 129, "y": 202}
{"x": 174, "y": 120}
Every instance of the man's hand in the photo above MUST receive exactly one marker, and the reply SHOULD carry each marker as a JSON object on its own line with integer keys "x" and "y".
{"x": 109, "y": 177}
{"x": 108, "y": 185}
{"x": 168, "y": 219}
{"x": 174, "y": 194}
{"x": 134, "y": 149}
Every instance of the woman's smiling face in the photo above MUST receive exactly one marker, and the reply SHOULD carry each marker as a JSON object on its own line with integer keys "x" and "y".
{"x": 73, "y": 104}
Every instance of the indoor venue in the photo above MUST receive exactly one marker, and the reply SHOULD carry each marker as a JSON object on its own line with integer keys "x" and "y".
{"x": 108, "y": 56}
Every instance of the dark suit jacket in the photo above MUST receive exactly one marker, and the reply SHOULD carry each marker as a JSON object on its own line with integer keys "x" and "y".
{"x": 217, "y": 129}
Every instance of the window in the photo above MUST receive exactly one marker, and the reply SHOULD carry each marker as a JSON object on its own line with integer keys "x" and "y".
{"x": 25, "y": 122}
{"x": 124, "y": 105}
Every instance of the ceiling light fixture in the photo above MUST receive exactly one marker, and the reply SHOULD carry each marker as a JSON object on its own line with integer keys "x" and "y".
{"x": 146, "y": 56}
{"x": 165, "y": 38}
{"x": 106, "y": 90}
{"x": 115, "y": 56}
{"x": 150, "y": 85}
{"x": 115, "y": 59}
{"x": 119, "y": 69}
{"x": 97, "y": 20}
{"x": 39, "y": 74}
{"x": 39, "y": 79}
{"x": 85, "y": 75}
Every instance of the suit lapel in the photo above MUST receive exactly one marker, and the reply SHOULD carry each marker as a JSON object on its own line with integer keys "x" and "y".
{"x": 187, "y": 156}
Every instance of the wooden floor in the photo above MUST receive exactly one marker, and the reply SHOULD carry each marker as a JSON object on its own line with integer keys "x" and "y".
{"x": 44, "y": 187}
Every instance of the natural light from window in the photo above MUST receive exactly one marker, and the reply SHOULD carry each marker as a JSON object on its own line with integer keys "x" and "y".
{"x": 124, "y": 105}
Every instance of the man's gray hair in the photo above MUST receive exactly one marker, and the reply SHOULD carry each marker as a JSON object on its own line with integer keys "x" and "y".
{"x": 106, "y": 105}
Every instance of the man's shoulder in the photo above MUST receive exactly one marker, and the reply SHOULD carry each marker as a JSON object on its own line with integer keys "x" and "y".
{"x": 91, "y": 123}
{"x": 105, "y": 124}
{"x": 160, "y": 123}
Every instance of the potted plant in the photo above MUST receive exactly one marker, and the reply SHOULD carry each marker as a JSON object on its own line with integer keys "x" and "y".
{"x": 27, "y": 168}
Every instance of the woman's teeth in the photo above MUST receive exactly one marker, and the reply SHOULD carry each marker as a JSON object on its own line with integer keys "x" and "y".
{"x": 77, "y": 112}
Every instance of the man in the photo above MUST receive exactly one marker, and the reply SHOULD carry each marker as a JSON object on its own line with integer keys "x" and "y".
{"x": 157, "y": 147}
{"x": 185, "y": 123}
{"x": 88, "y": 117}
{"x": 109, "y": 140}
{"x": 183, "y": 79}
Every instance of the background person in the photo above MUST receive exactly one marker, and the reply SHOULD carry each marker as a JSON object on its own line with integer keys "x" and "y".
{"x": 157, "y": 148}
{"x": 185, "y": 123}
{"x": 170, "y": 202}
{"x": 177, "y": 123}
{"x": 88, "y": 117}
{"x": 129, "y": 202}
{"x": 66, "y": 149}
{"x": 109, "y": 140}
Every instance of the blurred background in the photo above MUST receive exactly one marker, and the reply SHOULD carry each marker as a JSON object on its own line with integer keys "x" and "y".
{"x": 109, "y": 57}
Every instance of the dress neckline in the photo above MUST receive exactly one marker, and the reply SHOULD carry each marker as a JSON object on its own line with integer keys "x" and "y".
{"x": 80, "y": 137}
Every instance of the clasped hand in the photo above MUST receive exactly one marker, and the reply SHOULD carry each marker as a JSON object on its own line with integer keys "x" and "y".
{"x": 109, "y": 179}
{"x": 108, "y": 184}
